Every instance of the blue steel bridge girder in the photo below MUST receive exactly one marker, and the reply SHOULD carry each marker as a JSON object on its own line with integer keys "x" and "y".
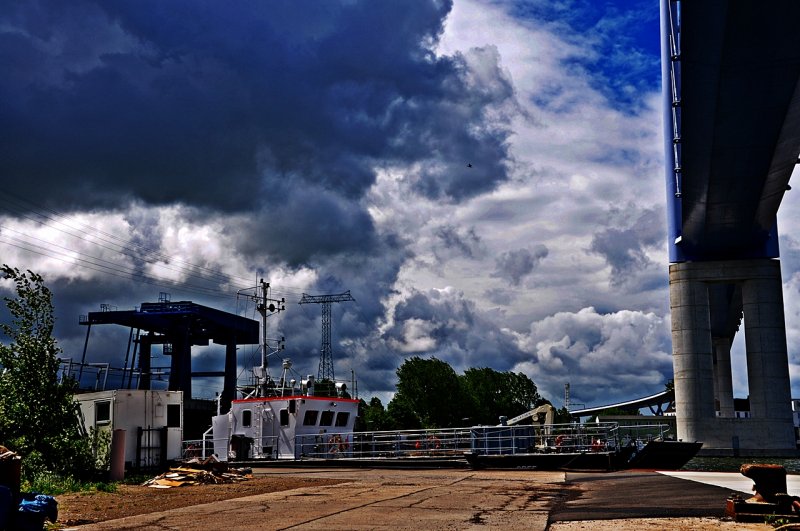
{"x": 732, "y": 124}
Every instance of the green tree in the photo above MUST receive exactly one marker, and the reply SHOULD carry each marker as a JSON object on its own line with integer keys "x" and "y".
{"x": 373, "y": 416}
{"x": 401, "y": 415}
{"x": 492, "y": 394}
{"x": 428, "y": 390}
{"x": 563, "y": 416}
{"x": 38, "y": 415}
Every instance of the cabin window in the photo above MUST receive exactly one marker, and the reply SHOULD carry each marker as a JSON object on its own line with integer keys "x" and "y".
{"x": 326, "y": 419}
{"x": 247, "y": 418}
{"x": 102, "y": 412}
{"x": 284, "y": 417}
{"x": 292, "y": 406}
{"x": 173, "y": 415}
{"x": 310, "y": 418}
{"x": 342, "y": 418}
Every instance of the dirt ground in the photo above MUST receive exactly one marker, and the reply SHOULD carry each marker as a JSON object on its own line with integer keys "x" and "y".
{"x": 129, "y": 500}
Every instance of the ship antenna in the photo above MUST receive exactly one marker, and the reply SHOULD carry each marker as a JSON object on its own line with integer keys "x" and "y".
{"x": 266, "y": 306}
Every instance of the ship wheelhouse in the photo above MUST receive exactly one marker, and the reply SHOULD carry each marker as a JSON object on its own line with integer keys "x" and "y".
{"x": 285, "y": 427}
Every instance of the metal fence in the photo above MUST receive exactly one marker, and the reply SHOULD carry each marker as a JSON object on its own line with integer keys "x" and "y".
{"x": 486, "y": 440}
{"x": 386, "y": 444}
{"x": 562, "y": 438}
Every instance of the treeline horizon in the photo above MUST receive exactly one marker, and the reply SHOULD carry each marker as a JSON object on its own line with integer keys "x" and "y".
{"x": 430, "y": 394}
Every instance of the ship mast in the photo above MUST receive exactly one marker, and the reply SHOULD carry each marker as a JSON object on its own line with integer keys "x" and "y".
{"x": 265, "y": 306}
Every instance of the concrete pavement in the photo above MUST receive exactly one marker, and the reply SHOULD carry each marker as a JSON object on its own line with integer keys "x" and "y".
{"x": 445, "y": 499}
{"x": 375, "y": 499}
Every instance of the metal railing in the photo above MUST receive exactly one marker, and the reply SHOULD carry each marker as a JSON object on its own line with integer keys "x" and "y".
{"x": 384, "y": 444}
{"x": 549, "y": 438}
{"x": 196, "y": 448}
{"x": 443, "y": 443}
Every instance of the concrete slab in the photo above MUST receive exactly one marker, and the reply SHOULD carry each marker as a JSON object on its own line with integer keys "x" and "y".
{"x": 639, "y": 494}
{"x": 447, "y": 499}
{"x": 732, "y": 480}
{"x": 411, "y": 500}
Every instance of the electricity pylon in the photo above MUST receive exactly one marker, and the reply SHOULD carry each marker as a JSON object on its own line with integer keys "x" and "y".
{"x": 325, "y": 354}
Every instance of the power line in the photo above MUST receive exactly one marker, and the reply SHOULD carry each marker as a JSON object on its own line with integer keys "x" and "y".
{"x": 22, "y": 208}
{"x": 115, "y": 244}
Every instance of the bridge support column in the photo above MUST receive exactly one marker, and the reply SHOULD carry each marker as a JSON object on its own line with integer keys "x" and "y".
{"x": 769, "y": 431}
{"x": 692, "y": 357}
{"x": 765, "y": 337}
{"x": 723, "y": 376}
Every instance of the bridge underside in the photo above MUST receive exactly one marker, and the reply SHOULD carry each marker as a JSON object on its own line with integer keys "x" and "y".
{"x": 732, "y": 123}
{"x": 740, "y": 124}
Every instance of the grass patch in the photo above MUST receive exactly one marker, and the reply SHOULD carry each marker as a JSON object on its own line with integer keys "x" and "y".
{"x": 53, "y": 485}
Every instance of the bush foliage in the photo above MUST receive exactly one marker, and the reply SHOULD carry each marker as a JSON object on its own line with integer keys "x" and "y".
{"x": 38, "y": 413}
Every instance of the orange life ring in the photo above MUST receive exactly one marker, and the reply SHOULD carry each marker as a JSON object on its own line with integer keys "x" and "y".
{"x": 434, "y": 441}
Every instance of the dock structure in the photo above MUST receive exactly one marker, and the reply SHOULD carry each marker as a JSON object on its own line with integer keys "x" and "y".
{"x": 731, "y": 88}
{"x": 182, "y": 325}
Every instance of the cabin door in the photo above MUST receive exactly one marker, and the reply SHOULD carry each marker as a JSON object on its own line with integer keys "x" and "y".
{"x": 286, "y": 430}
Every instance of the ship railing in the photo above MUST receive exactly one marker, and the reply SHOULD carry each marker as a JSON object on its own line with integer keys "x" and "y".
{"x": 385, "y": 444}
{"x": 267, "y": 449}
{"x": 196, "y": 448}
{"x": 229, "y": 448}
{"x": 545, "y": 438}
{"x": 641, "y": 434}
{"x": 193, "y": 448}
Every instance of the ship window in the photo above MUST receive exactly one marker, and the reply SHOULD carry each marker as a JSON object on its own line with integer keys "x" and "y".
{"x": 102, "y": 412}
{"x": 247, "y": 418}
{"x": 173, "y": 415}
{"x": 284, "y": 417}
{"x": 326, "y": 419}
{"x": 310, "y": 418}
{"x": 342, "y": 418}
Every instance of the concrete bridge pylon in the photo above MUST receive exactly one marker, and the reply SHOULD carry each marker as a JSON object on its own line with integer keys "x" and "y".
{"x": 701, "y": 360}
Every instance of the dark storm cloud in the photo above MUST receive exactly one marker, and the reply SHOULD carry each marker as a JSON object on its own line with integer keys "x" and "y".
{"x": 514, "y": 265}
{"x": 305, "y": 225}
{"x": 624, "y": 248}
{"x": 210, "y": 103}
{"x": 461, "y": 242}
{"x": 455, "y": 330}
{"x": 503, "y": 297}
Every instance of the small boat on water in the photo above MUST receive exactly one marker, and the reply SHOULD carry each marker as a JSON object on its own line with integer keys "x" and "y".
{"x": 591, "y": 446}
{"x": 588, "y": 447}
{"x": 293, "y": 425}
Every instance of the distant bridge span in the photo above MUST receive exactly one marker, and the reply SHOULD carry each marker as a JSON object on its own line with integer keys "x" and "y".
{"x": 731, "y": 73}
{"x": 656, "y": 400}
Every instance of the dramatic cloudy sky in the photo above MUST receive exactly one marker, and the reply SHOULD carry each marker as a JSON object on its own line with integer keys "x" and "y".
{"x": 484, "y": 177}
